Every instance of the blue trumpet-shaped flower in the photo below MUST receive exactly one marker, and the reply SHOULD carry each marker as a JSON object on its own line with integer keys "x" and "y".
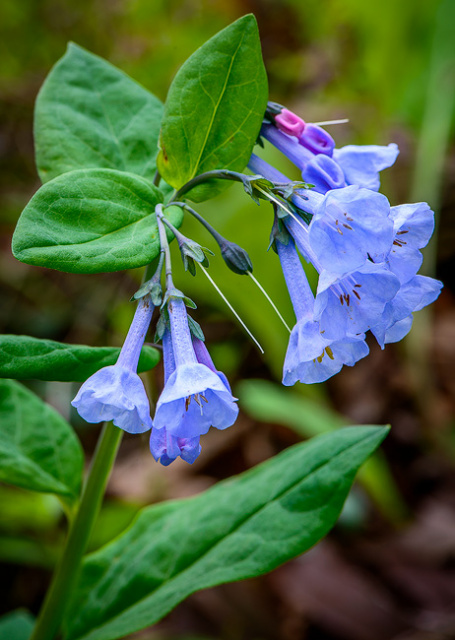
{"x": 347, "y": 303}
{"x": 116, "y": 392}
{"x": 311, "y": 356}
{"x": 195, "y": 397}
{"x": 348, "y": 227}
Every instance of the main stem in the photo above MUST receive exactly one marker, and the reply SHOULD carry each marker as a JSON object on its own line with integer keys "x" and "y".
{"x": 53, "y": 610}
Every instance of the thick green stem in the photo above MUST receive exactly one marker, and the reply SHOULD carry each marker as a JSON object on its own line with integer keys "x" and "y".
{"x": 63, "y": 582}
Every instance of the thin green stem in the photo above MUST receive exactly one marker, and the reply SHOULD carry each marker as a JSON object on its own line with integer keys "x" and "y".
{"x": 219, "y": 174}
{"x": 53, "y": 610}
{"x": 164, "y": 247}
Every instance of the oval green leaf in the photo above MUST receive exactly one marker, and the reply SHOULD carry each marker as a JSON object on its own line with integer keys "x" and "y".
{"x": 214, "y": 109}
{"x": 27, "y": 358}
{"x": 38, "y": 448}
{"x": 90, "y": 114}
{"x": 91, "y": 221}
{"x": 241, "y": 528}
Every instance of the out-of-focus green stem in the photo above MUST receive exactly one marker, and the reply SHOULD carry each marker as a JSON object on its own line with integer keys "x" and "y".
{"x": 52, "y": 613}
{"x": 427, "y": 180}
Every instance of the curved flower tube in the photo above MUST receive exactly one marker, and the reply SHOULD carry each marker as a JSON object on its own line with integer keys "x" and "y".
{"x": 195, "y": 397}
{"x": 116, "y": 392}
{"x": 310, "y": 356}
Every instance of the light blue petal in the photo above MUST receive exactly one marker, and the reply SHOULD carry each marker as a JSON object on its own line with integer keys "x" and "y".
{"x": 311, "y": 359}
{"x": 115, "y": 393}
{"x": 350, "y": 226}
{"x": 166, "y": 448}
{"x": 361, "y": 164}
{"x": 353, "y": 303}
{"x": 194, "y": 399}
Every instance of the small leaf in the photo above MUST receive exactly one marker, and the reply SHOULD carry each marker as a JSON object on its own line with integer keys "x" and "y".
{"x": 89, "y": 114}
{"x": 91, "y": 221}
{"x": 214, "y": 109}
{"x": 38, "y": 448}
{"x": 27, "y": 358}
{"x": 241, "y": 528}
{"x": 17, "y": 625}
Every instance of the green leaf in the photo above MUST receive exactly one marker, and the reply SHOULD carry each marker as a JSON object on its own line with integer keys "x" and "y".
{"x": 17, "y": 625}
{"x": 26, "y": 358}
{"x": 89, "y": 114}
{"x": 214, "y": 109}
{"x": 90, "y": 221}
{"x": 38, "y": 448}
{"x": 241, "y": 528}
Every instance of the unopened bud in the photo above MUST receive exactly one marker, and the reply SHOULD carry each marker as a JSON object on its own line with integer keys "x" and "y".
{"x": 317, "y": 140}
{"x": 236, "y": 258}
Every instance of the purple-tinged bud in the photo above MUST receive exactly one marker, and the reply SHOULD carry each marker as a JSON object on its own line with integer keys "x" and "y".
{"x": 317, "y": 140}
{"x": 290, "y": 123}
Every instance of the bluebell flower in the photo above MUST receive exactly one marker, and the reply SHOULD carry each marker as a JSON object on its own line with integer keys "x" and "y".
{"x": 310, "y": 356}
{"x": 194, "y": 397}
{"x": 164, "y": 446}
{"x": 347, "y": 303}
{"x": 348, "y": 227}
{"x": 116, "y": 392}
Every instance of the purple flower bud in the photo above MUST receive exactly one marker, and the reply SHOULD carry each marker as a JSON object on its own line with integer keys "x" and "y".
{"x": 317, "y": 140}
{"x": 290, "y": 123}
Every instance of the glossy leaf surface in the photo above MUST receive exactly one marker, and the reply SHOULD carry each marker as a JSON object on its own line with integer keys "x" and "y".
{"x": 90, "y": 114}
{"x": 91, "y": 221}
{"x": 214, "y": 108}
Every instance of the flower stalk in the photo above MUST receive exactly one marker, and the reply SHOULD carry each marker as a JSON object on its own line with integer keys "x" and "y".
{"x": 53, "y": 610}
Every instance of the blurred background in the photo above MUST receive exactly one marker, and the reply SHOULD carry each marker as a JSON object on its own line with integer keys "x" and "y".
{"x": 387, "y": 570}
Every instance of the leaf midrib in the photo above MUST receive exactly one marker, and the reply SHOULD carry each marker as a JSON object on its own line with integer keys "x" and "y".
{"x": 215, "y": 110}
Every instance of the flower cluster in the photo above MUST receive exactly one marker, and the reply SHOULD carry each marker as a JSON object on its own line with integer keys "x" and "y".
{"x": 366, "y": 252}
{"x": 195, "y": 396}
{"x": 367, "y": 255}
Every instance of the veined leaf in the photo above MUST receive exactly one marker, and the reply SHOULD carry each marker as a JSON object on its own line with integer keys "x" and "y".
{"x": 38, "y": 448}
{"x": 241, "y": 528}
{"x": 91, "y": 221}
{"x": 90, "y": 114}
{"x": 214, "y": 109}
{"x": 26, "y": 358}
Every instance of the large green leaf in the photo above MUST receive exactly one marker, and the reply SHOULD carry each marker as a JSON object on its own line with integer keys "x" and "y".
{"x": 26, "y": 358}
{"x": 241, "y": 528}
{"x": 90, "y": 114}
{"x": 214, "y": 109}
{"x": 38, "y": 448}
{"x": 90, "y": 221}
